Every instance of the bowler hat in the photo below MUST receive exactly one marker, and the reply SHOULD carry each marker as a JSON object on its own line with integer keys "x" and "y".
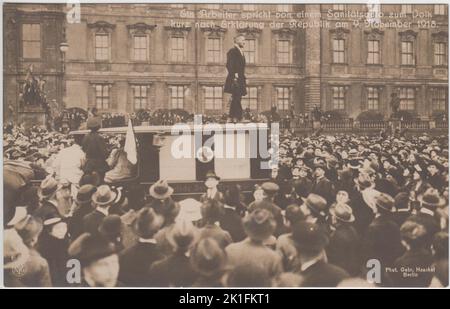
{"x": 161, "y": 190}
{"x": 385, "y": 201}
{"x": 48, "y": 187}
{"x": 88, "y": 248}
{"x": 309, "y": 237}
{"x": 260, "y": 224}
{"x": 270, "y": 188}
{"x": 211, "y": 174}
{"x": 431, "y": 199}
{"x": 316, "y": 203}
{"x": 343, "y": 212}
{"x": 85, "y": 193}
{"x": 103, "y": 196}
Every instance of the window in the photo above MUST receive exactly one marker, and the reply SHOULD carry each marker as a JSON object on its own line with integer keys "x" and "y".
{"x": 338, "y": 97}
{"x": 440, "y": 9}
{"x": 251, "y": 99}
{"x": 213, "y": 98}
{"x": 283, "y": 51}
{"x": 407, "y": 98}
{"x": 31, "y": 41}
{"x": 283, "y": 98}
{"x": 372, "y": 98}
{"x": 177, "y": 52}
{"x": 101, "y": 46}
{"x": 176, "y": 96}
{"x": 140, "y": 47}
{"x": 249, "y": 7}
{"x": 140, "y": 96}
{"x": 338, "y": 51}
{"x": 250, "y": 51}
{"x": 407, "y": 53}
{"x": 406, "y": 9}
{"x": 102, "y": 96}
{"x": 338, "y": 7}
{"x": 283, "y": 8}
{"x": 373, "y": 55}
{"x": 213, "y": 50}
{"x": 440, "y": 53}
{"x": 439, "y": 99}
{"x": 213, "y": 6}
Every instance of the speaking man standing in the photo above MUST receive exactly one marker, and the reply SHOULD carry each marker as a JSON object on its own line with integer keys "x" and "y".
{"x": 235, "y": 83}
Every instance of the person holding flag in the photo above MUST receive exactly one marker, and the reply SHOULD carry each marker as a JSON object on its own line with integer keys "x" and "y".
{"x": 123, "y": 159}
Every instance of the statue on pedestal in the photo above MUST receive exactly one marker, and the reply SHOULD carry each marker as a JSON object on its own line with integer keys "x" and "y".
{"x": 395, "y": 104}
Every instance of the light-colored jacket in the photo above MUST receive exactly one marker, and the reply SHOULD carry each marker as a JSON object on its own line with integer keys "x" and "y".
{"x": 68, "y": 164}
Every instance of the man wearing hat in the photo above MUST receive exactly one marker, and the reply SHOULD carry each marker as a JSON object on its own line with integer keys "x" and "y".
{"x": 48, "y": 205}
{"x": 81, "y": 207}
{"x": 135, "y": 261}
{"x": 362, "y": 202}
{"x": 99, "y": 260}
{"x": 102, "y": 200}
{"x": 301, "y": 182}
{"x": 322, "y": 185}
{"x": 417, "y": 256}
{"x": 212, "y": 211}
{"x": 382, "y": 240}
{"x": 211, "y": 183}
{"x": 427, "y": 215}
{"x": 176, "y": 270}
{"x": 315, "y": 209}
{"x": 259, "y": 226}
{"x": 270, "y": 189}
{"x": 434, "y": 176}
{"x": 343, "y": 249}
{"x": 311, "y": 240}
{"x": 68, "y": 164}
{"x": 95, "y": 148}
{"x": 403, "y": 207}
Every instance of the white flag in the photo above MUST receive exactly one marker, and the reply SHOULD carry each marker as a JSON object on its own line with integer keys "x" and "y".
{"x": 130, "y": 144}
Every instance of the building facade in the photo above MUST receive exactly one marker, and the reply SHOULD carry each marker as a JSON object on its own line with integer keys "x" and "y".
{"x": 125, "y": 57}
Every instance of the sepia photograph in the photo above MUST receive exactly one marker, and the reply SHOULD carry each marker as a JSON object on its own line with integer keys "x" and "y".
{"x": 225, "y": 145}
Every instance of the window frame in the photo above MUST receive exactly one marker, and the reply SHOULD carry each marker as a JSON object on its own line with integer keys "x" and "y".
{"x": 287, "y": 54}
{"x": 336, "y": 53}
{"x": 370, "y": 60}
{"x": 172, "y": 49}
{"x": 248, "y": 99}
{"x": 408, "y": 54}
{"x": 107, "y": 48}
{"x": 140, "y": 97}
{"x": 286, "y": 102}
{"x": 177, "y": 98}
{"x": 408, "y": 99}
{"x": 31, "y": 41}
{"x": 146, "y": 49}
{"x": 442, "y": 55}
{"x": 340, "y": 99}
{"x": 248, "y": 53}
{"x": 102, "y": 97}
{"x": 217, "y": 52}
{"x": 441, "y": 100}
{"x": 373, "y": 96}
{"x": 216, "y": 101}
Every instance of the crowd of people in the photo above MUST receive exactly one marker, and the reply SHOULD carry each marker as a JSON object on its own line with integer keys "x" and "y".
{"x": 335, "y": 208}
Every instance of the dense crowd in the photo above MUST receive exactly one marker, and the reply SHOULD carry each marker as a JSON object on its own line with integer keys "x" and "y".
{"x": 335, "y": 208}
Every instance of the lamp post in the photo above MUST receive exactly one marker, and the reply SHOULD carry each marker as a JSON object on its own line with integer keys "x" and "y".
{"x": 63, "y": 47}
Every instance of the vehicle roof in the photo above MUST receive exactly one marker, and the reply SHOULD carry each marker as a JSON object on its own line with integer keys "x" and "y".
{"x": 179, "y": 127}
